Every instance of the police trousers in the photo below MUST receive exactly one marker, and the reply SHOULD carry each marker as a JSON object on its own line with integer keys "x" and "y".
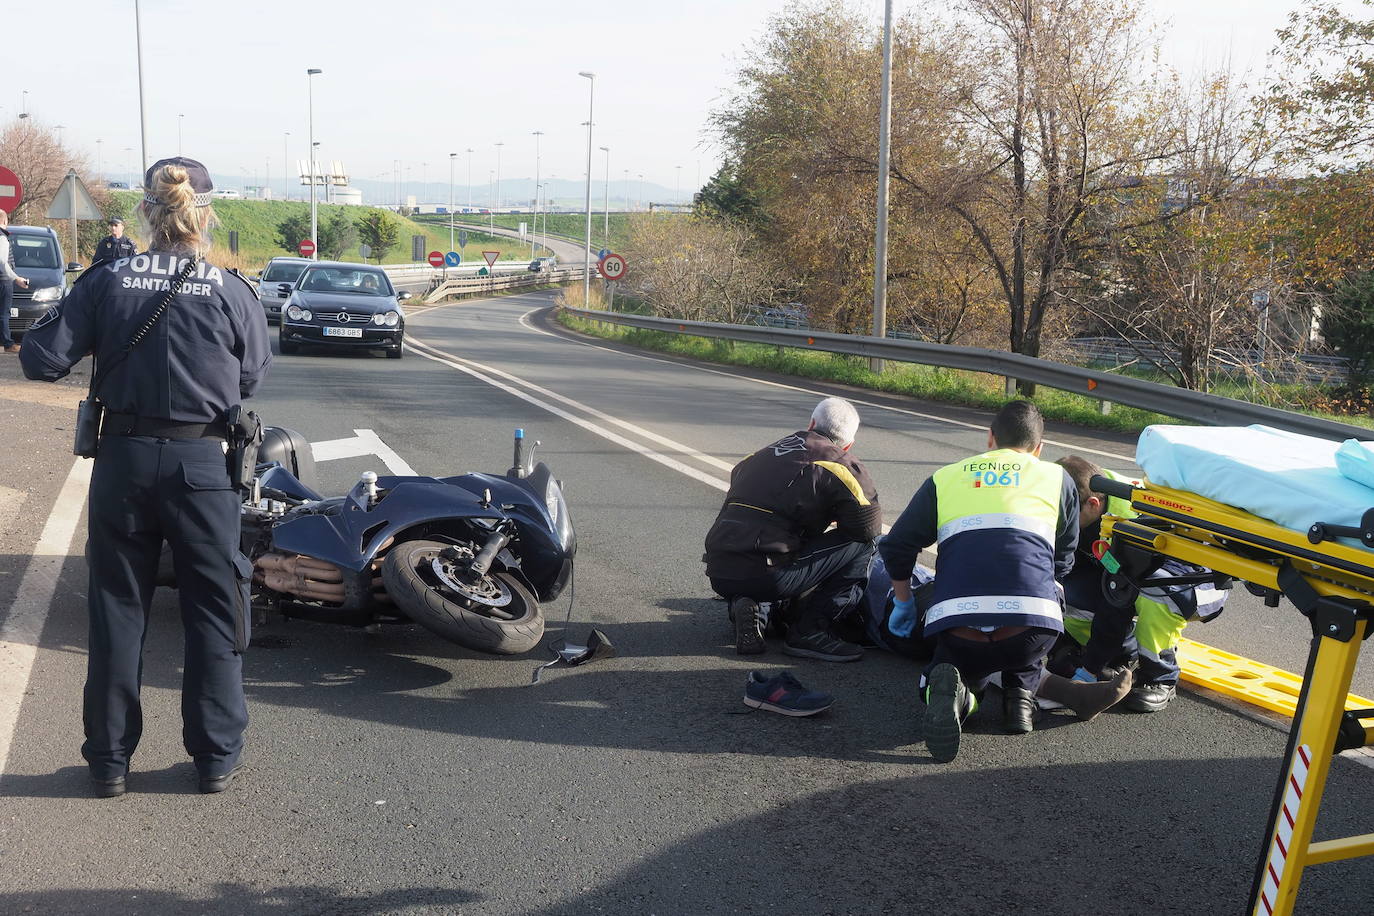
{"x": 144, "y": 491}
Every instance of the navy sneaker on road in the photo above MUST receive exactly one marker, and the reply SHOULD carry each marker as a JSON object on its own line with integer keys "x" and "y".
{"x": 748, "y": 626}
{"x": 821, "y": 644}
{"x": 782, "y": 693}
{"x": 948, "y": 704}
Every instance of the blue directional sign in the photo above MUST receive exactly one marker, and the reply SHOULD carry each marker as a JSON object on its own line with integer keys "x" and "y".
{"x": 453, "y": 259}
{"x": 462, "y": 238}
{"x": 602, "y": 253}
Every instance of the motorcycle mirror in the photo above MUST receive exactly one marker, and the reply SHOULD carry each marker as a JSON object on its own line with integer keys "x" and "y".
{"x": 486, "y": 498}
{"x": 598, "y": 645}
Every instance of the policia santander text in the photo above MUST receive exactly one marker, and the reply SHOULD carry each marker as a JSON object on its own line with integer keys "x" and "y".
{"x": 161, "y": 474}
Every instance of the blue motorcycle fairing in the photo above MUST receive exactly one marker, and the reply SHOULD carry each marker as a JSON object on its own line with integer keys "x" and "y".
{"x": 346, "y": 533}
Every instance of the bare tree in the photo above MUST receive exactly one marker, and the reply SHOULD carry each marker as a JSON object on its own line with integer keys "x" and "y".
{"x": 32, "y": 152}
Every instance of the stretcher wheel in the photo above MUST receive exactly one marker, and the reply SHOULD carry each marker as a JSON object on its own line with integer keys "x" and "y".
{"x": 1119, "y": 590}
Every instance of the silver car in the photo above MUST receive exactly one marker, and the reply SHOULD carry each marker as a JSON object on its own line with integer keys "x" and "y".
{"x": 277, "y": 272}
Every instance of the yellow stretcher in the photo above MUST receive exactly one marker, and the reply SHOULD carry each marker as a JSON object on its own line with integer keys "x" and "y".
{"x": 1331, "y": 583}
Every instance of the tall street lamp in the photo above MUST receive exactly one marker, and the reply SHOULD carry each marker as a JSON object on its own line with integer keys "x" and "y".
{"x": 587, "y": 202}
{"x": 97, "y": 161}
{"x": 639, "y": 202}
{"x": 314, "y": 211}
{"x": 179, "y": 120}
{"x": 884, "y": 151}
{"x": 142, "y": 109}
{"x": 59, "y": 128}
{"x": 606, "y": 199}
{"x": 452, "y": 157}
{"x": 286, "y": 165}
{"x": 677, "y": 189}
{"x": 499, "y": 144}
{"x": 469, "y": 152}
{"x": 537, "y": 134}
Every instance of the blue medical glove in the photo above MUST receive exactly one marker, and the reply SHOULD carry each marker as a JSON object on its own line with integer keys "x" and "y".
{"x": 903, "y": 619}
{"x": 1085, "y": 676}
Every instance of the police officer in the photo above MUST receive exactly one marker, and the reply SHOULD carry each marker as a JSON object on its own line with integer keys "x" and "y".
{"x": 115, "y": 245}
{"x": 161, "y": 473}
{"x": 1007, "y": 525}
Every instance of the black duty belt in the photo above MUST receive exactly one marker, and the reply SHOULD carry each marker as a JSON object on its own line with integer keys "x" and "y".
{"x": 128, "y": 424}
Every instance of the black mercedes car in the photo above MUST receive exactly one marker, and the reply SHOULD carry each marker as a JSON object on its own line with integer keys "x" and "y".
{"x": 338, "y": 304}
{"x": 38, "y": 259}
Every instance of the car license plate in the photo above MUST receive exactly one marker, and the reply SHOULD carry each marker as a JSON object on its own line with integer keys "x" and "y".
{"x": 343, "y": 332}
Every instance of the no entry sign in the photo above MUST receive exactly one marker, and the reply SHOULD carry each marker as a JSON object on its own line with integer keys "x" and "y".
{"x": 11, "y": 191}
{"x": 306, "y": 248}
{"x": 436, "y": 259}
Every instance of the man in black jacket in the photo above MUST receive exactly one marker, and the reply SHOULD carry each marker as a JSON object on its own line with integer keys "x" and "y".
{"x": 770, "y": 540}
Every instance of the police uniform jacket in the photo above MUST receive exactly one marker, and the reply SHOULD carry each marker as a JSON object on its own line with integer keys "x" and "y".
{"x": 207, "y": 353}
{"x": 1007, "y": 526}
{"x": 110, "y": 248}
{"x": 784, "y": 495}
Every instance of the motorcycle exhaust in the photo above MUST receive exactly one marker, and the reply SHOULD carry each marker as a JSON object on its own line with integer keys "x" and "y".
{"x": 304, "y": 577}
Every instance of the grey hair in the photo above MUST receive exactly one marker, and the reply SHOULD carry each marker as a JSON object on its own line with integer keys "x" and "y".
{"x": 836, "y": 419}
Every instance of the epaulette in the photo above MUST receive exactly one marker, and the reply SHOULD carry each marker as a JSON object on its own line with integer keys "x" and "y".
{"x": 234, "y": 272}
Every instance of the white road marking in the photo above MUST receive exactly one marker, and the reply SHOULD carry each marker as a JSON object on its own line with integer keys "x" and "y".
{"x": 484, "y": 374}
{"x": 875, "y": 405}
{"x": 362, "y": 442}
{"x": 23, "y": 625}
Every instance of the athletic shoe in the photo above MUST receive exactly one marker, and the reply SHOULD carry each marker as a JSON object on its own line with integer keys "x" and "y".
{"x": 1150, "y": 697}
{"x": 948, "y": 704}
{"x": 784, "y": 694}
{"x": 822, "y": 645}
{"x": 748, "y": 630}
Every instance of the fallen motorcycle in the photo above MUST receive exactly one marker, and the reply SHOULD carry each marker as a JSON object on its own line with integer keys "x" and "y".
{"x": 469, "y": 558}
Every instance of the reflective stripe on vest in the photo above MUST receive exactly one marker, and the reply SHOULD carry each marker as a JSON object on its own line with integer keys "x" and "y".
{"x": 1000, "y": 520}
{"x": 1001, "y": 605}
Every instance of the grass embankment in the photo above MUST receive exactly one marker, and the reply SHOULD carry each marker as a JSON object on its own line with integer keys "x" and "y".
{"x": 569, "y": 225}
{"x": 257, "y": 220}
{"x": 931, "y": 383}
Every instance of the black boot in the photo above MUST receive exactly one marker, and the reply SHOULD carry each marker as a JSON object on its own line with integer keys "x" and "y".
{"x": 1018, "y": 707}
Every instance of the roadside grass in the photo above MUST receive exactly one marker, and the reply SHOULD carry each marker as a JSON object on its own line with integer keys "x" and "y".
{"x": 256, "y": 222}
{"x": 954, "y": 386}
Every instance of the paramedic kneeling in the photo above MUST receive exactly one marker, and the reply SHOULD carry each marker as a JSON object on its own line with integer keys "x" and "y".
{"x": 1144, "y": 635}
{"x": 1007, "y": 525}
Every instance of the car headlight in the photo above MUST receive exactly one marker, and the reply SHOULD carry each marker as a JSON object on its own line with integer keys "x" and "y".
{"x": 379, "y": 319}
{"x": 306, "y": 315}
{"x": 392, "y": 319}
{"x": 294, "y": 312}
{"x": 47, "y": 294}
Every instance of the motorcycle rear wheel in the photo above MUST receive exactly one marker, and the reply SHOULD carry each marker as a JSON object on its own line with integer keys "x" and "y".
{"x": 411, "y": 582}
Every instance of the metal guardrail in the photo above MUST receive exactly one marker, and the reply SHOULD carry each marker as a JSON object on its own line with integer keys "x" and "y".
{"x": 477, "y": 285}
{"x": 1112, "y": 353}
{"x": 1207, "y": 409}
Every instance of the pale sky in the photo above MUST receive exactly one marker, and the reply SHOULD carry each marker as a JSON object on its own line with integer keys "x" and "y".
{"x": 414, "y": 81}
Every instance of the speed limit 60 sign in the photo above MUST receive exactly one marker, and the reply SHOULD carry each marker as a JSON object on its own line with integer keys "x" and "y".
{"x": 612, "y": 266}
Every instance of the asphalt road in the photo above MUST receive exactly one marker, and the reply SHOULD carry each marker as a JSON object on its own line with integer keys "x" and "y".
{"x": 389, "y": 772}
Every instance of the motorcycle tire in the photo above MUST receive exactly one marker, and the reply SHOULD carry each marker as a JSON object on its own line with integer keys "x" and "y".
{"x": 412, "y": 585}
